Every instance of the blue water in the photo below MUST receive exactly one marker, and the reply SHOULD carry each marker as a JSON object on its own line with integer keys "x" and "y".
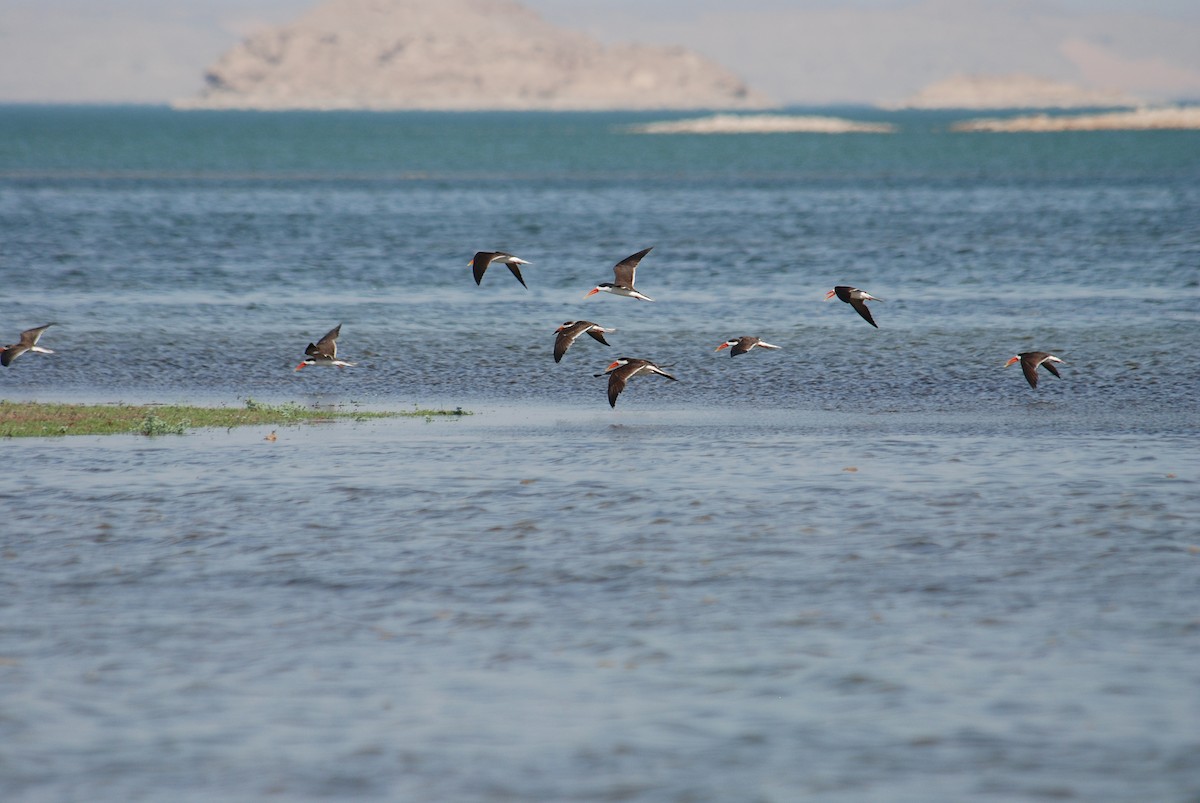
{"x": 872, "y": 565}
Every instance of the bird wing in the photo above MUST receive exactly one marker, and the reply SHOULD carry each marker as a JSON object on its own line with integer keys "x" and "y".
{"x": 1049, "y": 366}
{"x": 625, "y": 269}
{"x": 480, "y": 263}
{"x": 654, "y": 369}
{"x": 1029, "y": 365}
{"x": 597, "y": 332}
{"x": 330, "y": 336}
{"x": 564, "y": 340}
{"x": 326, "y": 346}
{"x": 861, "y": 309}
{"x": 30, "y": 336}
{"x": 515, "y": 272}
{"x": 617, "y": 379}
{"x": 10, "y": 353}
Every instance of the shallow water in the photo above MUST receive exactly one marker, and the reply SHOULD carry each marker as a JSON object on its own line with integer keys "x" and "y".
{"x": 873, "y": 565}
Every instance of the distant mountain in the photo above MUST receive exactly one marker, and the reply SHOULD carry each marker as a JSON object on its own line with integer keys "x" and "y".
{"x": 1012, "y": 92}
{"x": 456, "y": 54}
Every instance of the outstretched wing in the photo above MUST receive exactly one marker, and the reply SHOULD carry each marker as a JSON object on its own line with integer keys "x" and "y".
{"x": 617, "y": 380}
{"x": 30, "y": 336}
{"x": 597, "y": 333}
{"x": 627, "y": 267}
{"x": 563, "y": 341}
{"x": 1029, "y": 366}
{"x": 516, "y": 271}
{"x": 327, "y": 345}
{"x": 480, "y": 262}
{"x": 861, "y": 308}
{"x": 656, "y": 370}
{"x": 10, "y": 353}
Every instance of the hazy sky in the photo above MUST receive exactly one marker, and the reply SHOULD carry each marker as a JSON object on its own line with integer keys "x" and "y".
{"x": 796, "y": 51}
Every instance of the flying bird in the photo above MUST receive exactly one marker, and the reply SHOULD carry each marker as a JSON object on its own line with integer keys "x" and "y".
{"x": 569, "y": 331}
{"x": 324, "y": 351}
{"x": 29, "y": 339}
{"x": 482, "y": 259}
{"x": 740, "y": 345}
{"x": 621, "y": 370}
{"x": 623, "y": 272}
{"x": 1030, "y": 360}
{"x": 855, "y": 298}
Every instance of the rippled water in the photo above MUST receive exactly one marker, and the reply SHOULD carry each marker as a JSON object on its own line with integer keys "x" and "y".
{"x": 873, "y": 565}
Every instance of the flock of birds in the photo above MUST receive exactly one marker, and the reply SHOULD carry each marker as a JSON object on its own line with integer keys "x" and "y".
{"x": 620, "y": 370}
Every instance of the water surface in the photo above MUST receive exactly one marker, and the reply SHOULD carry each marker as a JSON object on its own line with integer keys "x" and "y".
{"x": 873, "y": 565}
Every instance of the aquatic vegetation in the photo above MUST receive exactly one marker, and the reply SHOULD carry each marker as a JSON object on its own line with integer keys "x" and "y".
{"x": 417, "y": 412}
{"x": 38, "y": 419}
{"x": 153, "y": 425}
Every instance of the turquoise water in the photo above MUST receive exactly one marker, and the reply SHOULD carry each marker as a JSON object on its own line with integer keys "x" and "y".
{"x": 871, "y": 565}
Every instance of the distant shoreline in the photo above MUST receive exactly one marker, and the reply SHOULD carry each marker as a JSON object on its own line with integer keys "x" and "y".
{"x": 827, "y": 119}
{"x": 762, "y": 124}
{"x": 1146, "y": 119}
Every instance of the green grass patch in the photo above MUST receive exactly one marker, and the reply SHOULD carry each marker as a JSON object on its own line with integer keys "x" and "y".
{"x": 37, "y": 419}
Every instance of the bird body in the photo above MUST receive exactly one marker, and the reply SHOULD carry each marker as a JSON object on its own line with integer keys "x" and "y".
{"x": 481, "y": 260}
{"x": 324, "y": 351}
{"x": 569, "y": 331}
{"x": 1030, "y": 360}
{"x": 740, "y": 345}
{"x": 855, "y": 298}
{"x": 28, "y": 342}
{"x": 621, "y": 370}
{"x": 623, "y": 274}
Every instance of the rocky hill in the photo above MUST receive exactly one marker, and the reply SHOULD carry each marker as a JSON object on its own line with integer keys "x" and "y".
{"x": 455, "y": 54}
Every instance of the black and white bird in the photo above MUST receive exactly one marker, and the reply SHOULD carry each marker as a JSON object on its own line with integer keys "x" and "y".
{"x": 1030, "y": 360}
{"x": 28, "y": 342}
{"x": 569, "y": 331}
{"x": 623, "y": 273}
{"x": 740, "y": 345}
{"x": 855, "y": 298}
{"x": 481, "y": 260}
{"x": 324, "y": 351}
{"x": 621, "y": 370}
